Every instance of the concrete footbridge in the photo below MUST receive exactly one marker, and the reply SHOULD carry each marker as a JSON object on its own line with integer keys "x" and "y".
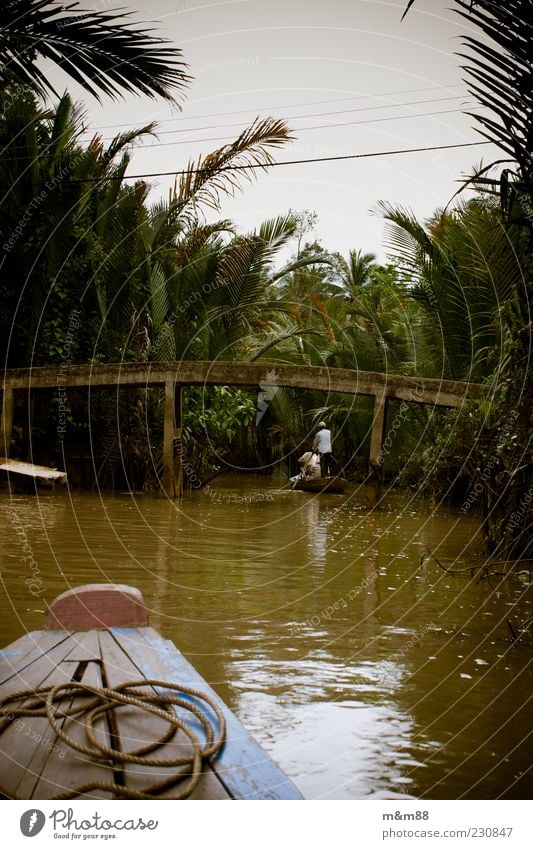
{"x": 173, "y": 377}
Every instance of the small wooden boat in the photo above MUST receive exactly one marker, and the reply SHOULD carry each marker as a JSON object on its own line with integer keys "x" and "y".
{"x": 335, "y": 484}
{"x": 98, "y": 705}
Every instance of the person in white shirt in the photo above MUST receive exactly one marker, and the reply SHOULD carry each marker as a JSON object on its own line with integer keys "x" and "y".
{"x": 322, "y": 444}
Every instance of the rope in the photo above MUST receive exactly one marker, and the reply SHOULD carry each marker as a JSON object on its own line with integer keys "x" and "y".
{"x": 87, "y": 705}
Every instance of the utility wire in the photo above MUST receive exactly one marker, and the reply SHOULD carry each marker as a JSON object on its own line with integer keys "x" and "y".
{"x": 279, "y": 164}
{"x": 301, "y": 117}
{"x": 307, "y": 129}
{"x": 294, "y": 105}
{"x": 296, "y": 130}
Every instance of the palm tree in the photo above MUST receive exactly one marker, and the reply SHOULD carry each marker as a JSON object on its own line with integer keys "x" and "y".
{"x": 464, "y": 266}
{"x": 97, "y": 49}
{"x": 355, "y": 272}
{"x": 499, "y": 76}
{"x": 62, "y": 206}
{"x": 200, "y": 289}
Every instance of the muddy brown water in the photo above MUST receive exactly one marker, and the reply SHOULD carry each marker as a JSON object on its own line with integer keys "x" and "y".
{"x": 362, "y": 672}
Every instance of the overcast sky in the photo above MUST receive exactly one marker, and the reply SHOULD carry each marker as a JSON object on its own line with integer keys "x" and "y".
{"x": 348, "y": 77}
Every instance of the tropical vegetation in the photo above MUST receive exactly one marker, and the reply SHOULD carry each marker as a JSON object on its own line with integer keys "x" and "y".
{"x": 160, "y": 281}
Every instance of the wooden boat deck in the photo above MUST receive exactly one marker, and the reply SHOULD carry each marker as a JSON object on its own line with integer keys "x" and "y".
{"x": 37, "y": 764}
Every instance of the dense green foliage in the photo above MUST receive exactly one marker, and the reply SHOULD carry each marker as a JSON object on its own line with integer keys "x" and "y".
{"x": 93, "y": 272}
{"x": 494, "y": 442}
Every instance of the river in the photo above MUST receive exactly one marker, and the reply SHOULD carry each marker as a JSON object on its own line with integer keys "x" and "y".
{"x": 364, "y": 672}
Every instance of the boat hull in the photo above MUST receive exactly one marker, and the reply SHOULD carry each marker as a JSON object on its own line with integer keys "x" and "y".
{"x": 335, "y": 485}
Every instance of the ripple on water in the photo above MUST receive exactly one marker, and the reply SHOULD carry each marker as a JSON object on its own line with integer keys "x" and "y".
{"x": 316, "y": 622}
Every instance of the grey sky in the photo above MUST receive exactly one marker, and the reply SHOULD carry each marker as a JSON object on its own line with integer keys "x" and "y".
{"x": 316, "y": 64}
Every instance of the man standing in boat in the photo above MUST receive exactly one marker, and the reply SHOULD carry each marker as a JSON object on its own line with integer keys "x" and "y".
{"x": 322, "y": 444}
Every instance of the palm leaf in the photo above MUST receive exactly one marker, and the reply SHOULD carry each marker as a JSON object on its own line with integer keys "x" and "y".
{"x": 209, "y": 178}
{"x": 98, "y": 50}
{"x": 124, "y": 140}
{"x": 297, "y": 264}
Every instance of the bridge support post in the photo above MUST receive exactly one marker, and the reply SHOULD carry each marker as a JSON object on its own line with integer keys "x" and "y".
{"x": 172, "y": 449}
{"x": 169, "y": 483}
{"x": 6, "y": 421}
{"x": 178, "y": 436}
{"x": 376, "y": 440}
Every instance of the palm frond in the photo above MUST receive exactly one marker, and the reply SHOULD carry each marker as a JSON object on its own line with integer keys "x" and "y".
{"x": 276, "y": 232}
{"x": 220, "y": 173}
{"x": 100, "y": 50}
{"x": 124, "y": 140}
{"x": 297, "y": 264}
{"x": 278, "y": 338}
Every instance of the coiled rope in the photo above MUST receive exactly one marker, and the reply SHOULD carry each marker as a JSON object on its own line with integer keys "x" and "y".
{"x": 87, "y": 704}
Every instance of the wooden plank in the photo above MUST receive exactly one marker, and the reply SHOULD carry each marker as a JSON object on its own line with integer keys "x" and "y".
{"x": 26, "y": 649}
{"x": 138, "y": 728}
{"x": 39, "y": 660}
{"x": 27, "y": 742}
{"x": 75, "y": 769}
{"x": 30, "y": 470}
{"x": 244, "y": 768}
{"x": 86, "y": 647}
{"x": 29, "y": 745}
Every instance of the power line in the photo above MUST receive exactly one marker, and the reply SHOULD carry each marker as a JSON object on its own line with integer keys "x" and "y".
{"x": 308, "y": 115}
{"x": 205, "y": 139}
{"x": 295, "y": 105}
{"x": 307, "y": 129}
{"x": 286, "y": 162}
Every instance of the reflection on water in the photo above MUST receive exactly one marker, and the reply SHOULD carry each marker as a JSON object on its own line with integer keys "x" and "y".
{"x": 364, "y": 673}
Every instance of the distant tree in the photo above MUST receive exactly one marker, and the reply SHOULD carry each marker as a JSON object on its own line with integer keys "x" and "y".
{"x": 356, "y": 271}
{"x": 306, "y": 221}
